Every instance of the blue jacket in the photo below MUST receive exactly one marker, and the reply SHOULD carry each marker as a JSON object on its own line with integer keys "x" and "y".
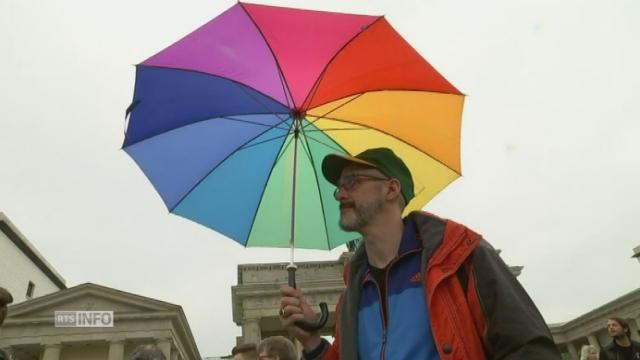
{"x": 475, "y": 309}
{"x": 405, "y": 331}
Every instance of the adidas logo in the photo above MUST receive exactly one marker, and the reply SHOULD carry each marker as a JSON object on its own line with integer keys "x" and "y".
{"x": 417, "y": 277}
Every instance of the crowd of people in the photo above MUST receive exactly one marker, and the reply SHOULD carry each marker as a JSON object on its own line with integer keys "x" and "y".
{"x": 418, "y": 287}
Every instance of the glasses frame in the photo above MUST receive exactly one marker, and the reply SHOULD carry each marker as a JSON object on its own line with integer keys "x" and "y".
{"x": 349, "y": 182}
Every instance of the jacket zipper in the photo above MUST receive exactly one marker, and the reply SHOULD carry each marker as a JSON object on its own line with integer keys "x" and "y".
{"x": 386, "y": 301}
{"x": 386, "y": 307}
{"x": 384, "y": 319}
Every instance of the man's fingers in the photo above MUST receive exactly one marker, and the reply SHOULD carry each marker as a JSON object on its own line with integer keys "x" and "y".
{"x": 288, "y": 291}
{"x": 288, "y": 310}
{"x": 289, "y": 321}
{"x": 289, "y": 301}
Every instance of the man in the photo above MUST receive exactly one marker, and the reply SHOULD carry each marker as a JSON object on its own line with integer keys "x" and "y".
{"x": 5, "y": 299}
{"x": 244, "y": 352}
{"x": 419, "y": 287}
{"x": 147, "y": 352}
{"x": 622, "y": 347}
{"x": 277, "y": 348}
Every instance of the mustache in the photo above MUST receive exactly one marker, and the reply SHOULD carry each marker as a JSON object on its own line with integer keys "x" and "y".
{"x": 347, "y": 204}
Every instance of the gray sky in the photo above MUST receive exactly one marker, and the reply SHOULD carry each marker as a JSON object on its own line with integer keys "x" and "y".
{"x": 550, "y": 149}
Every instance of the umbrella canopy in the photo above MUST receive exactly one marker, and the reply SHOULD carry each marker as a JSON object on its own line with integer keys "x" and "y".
{"x": 231, "y": 123}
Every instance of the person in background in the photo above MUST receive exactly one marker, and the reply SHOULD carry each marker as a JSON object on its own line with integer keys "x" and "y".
{"x": 5, "y": 299}
{"x": 245, "y": 352}
{"x": 589, "y": 352}
{"x": 277, "y": 348}
{"x": 622, "y": 347}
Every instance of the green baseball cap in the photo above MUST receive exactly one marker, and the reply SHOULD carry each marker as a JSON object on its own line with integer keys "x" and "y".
{"x": 382, "y": 159}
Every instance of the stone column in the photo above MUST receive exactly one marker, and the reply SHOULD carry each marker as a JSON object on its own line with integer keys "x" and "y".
{"x": 637, "y": 320}
{"x": 593, "y": 340}
{"x": 573, "y": 351}
{"x": 251, "y": 331}
{"x": 633, "y": 326}
{"x": 165, "y": 345}
{"x": 116, "y": 350}
{"x": 52, "y": 352}
{"x": 174, "y": 355}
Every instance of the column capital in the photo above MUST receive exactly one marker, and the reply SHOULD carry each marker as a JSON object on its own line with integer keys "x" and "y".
{"x": 165, "y": 344}
{"x": 52, "y": 345}
{"x": 51, "y": 351}
{"x": 593, "y": 340}
{"x": 116, "y": 339}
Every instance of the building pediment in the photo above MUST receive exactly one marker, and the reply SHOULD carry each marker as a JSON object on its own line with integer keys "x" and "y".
{"x": 30, "y": 325}
{"x": 88, "y": 297}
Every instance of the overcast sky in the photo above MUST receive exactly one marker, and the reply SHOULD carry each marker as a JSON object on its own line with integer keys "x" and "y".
{"x": 549, "y": 145}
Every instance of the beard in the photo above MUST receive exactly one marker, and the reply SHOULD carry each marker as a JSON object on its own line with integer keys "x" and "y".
{"x": 361, "y": 215}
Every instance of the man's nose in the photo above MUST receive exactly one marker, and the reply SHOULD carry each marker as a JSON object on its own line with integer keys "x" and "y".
{"x": 339, "y": 193}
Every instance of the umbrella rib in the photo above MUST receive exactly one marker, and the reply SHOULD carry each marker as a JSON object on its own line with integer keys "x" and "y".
{"x": 281, "y": 151}
{"x": 397, "y": 138}
{"x": 261, "y": 142}
{"x": 389, "y": 89}
{"x": 332, "y": 110}
{"x": 283, "y": 80}
{"x": 358, "y": 95}
{"x": 264, "y": 188}
{"x": 213, "y": 75}
{"x": 226, "y": 117}
{"x": 242, "y": 88}
{"x": 255, "y": 122}
{"x": 340, "y": 149}
{"x": 338, "y": 129}
{"x": 219, "y": 163}
{"x": 284, "y": 149}
{"x": 313, "y": 166}
{"x": 316, "y": 84}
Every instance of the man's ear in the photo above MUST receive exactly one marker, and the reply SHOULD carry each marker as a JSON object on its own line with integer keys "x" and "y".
{"x": 394, "y": 189}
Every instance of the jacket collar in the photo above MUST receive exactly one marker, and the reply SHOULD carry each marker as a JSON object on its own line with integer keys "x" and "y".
{"x": 410, "y": 243}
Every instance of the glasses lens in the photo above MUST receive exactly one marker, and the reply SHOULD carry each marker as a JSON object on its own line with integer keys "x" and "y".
{"x": 347, "y": 182}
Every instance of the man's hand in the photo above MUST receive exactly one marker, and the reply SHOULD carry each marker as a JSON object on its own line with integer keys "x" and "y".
{"x": 294, "y": 308}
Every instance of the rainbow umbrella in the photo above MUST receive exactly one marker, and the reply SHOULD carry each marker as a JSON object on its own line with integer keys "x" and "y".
{"x": 231, "y": 123}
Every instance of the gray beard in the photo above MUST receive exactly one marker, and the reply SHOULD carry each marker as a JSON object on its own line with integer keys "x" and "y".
{"x": 363, "y": 215}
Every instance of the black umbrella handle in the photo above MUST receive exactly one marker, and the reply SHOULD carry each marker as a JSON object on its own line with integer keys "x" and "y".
{"x": 324, "y": 309}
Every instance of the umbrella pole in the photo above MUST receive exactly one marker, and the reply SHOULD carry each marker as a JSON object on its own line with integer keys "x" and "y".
{"x": 291, "y": 268}
{"x": 320, "y": 322}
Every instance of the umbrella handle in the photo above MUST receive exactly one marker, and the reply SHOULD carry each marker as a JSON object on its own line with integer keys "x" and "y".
{"x": 324, "y": 309}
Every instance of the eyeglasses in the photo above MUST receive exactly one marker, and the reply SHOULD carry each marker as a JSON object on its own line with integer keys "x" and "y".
{"x": 347, "y": 183}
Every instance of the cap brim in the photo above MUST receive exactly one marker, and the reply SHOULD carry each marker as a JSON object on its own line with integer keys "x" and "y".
{"x": 333, "y": 164}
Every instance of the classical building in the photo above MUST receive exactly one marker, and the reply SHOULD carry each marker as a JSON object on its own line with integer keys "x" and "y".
{"x": 30, "y": 330}
{"x": 590, "y": 328}
{"x": 23, "y": 270}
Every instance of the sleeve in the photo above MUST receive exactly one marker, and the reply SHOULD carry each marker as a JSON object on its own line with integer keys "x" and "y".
{"x": 515, "y": 328}
{"x": 326, "y": 351}
{"x": 321, "y": 352}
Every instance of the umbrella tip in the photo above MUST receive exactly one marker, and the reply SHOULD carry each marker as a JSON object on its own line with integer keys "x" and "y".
{"x": 298, "y": 114}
